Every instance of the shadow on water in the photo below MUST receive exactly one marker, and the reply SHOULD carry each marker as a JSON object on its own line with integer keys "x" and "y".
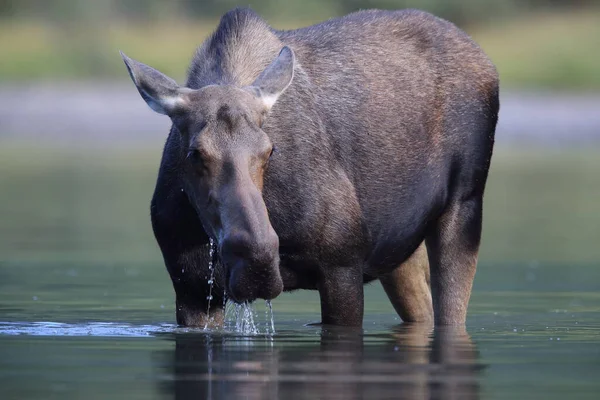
{"x": 411, "y": 362}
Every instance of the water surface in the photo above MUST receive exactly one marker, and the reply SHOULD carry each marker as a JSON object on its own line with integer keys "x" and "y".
{"x": 87, "y": 309}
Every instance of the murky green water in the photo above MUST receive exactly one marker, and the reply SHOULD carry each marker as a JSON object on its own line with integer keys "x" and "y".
{"x": 86, "y": 307}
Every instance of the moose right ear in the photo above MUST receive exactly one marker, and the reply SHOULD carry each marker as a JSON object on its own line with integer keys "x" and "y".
{"x": 160, "y": 92}
{"x": 275, "y": 79}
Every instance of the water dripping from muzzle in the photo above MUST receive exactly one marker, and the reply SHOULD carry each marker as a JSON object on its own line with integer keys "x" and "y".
{"x": 243, "y": 319}
{"x": 244, "y": 314}
{"x": 269, "y": 319}
{"x": 211, "y": 279}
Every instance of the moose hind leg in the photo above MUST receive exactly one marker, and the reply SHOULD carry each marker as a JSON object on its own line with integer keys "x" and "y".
{"x": 453, "y": 246}
{"x": 408, "y": 288}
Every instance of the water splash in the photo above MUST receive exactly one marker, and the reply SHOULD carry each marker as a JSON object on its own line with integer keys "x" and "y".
{"x": 211, "y": 279}
{"x": 243, "y": 319}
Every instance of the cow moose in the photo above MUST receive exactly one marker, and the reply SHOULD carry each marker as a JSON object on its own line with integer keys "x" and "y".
{"x": 324, "y": 158}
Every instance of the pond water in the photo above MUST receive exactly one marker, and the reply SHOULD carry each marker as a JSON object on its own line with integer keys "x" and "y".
{"x": 87, "y": 310}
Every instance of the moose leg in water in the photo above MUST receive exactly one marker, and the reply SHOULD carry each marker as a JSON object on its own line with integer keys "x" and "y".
{"x": 453, "y": 249}
{"x": 339, "y": 249}
{"x": 186, "y": 251}
{"x": 341, "y": 292}
{"x": 408, "y": 288}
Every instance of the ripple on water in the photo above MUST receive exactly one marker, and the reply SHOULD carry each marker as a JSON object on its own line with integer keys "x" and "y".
{"x": 241, "y": 319}
{"x": 47, "y": 328}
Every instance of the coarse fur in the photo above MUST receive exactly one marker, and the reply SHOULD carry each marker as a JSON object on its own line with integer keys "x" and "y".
{"x": 380, "y": 142}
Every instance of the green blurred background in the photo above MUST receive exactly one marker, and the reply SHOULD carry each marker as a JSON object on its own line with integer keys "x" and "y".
{"x": 535, "y": 43}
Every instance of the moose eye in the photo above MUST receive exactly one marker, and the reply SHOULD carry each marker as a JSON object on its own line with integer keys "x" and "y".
{"x": 195, "y": 158}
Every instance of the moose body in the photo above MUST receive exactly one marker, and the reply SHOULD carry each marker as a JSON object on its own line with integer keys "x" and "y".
{"x": 323, "y": 158}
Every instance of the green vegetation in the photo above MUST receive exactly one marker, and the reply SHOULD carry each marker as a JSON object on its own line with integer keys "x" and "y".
{"x": 556, "y": 51}
{"x": 552, "y": 49}
{"x": 542, "y": 206}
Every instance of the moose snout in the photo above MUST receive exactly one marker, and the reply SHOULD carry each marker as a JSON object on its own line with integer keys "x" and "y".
{"x": 255, "y": 250}
{"x": 252, "y": 265}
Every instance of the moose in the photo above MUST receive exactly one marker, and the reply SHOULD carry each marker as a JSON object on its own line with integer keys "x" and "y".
{"x": 324, "y": 158}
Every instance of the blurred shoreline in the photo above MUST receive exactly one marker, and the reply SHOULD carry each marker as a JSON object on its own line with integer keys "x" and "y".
{"x": 72, "y": 114}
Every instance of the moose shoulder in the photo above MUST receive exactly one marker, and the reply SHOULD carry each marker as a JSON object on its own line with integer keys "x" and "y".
{"x": 322, "y": 158}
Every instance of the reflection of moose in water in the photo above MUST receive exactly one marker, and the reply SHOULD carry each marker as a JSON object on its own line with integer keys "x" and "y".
{"x": 412, "y": 362}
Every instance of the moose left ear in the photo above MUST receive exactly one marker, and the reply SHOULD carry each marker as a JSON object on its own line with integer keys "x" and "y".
{"x": 273, "y": 81}
{"x": 160, "y": 92}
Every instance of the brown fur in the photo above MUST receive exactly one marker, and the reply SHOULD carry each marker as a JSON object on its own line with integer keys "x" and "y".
{"x": 408, "y": 288}
{"x": 322, "y": 158}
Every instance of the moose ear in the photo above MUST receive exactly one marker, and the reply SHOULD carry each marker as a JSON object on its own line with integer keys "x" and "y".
{"x": 160, "y": 92}
{"x": 273, "y": 81}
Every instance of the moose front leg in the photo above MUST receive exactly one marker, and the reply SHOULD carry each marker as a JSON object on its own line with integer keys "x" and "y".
{"x": 187, "y": 255}
{"x": 341, "y": 292}
{"x": 193, "y": 307}
{"x": 197, "y": 303}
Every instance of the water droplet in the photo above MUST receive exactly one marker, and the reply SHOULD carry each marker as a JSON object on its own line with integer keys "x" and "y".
{"x": 34, "y": 298}
{"x": 182, "y": 270}
{"x": 270, "y": 320}
{"x": 211, "y": 280}
{"x": 162, "y": 306}
{"x": 514, "y": 329}
{"x": 242, "y": 318}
